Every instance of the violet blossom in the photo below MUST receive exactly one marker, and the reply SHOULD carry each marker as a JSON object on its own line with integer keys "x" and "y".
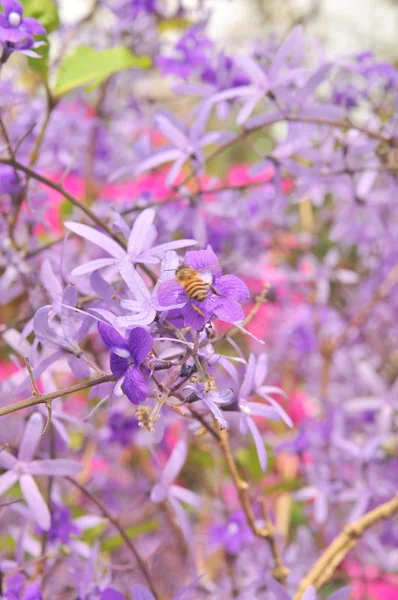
{"x": 223, "y": 297}
{"x": 140, "y": 248}
{"x": 17, "y": 32}
{"x": 22, "y": 467}
{"x": 126, "y": 360}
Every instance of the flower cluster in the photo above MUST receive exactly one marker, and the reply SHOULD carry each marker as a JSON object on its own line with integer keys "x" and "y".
{"x": 198, "y": 335}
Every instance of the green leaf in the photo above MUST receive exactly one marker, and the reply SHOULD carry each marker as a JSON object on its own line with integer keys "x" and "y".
{"x": 44, "y": 11}
{"x": 114, "y": 542}
{"x": 87, "y": 66}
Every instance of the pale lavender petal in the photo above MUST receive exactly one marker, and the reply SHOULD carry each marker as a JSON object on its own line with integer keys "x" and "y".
{"x": 200, "y": 259}
{"x": 35, "y": 501}
{"x": 259, "y": 443}
{"x": 79, "y": 368}
{"x": 228, "y": 310}
{"x": 141, "y": 593}
{"x": 310, "y": 86}
{"x": 253, "y": 70}
{"x": 277, "y": 588}
{"x": 92, "y": 265}
{"x": 50, "y": 282}
{"x": 215, "y": 410}
{"x": 310, "y": 594}
{"x": 140, "y": 230}
{"x": 175, "y": 463}
{"x": 158, "y": 159}
{"x": 277, "y": 407}
{"x": 261, "y": 369}
{"x": 43, "y": 331}
{"x": 342, "y": 594}
{"x": 192, "y": 318}
{"x": 182, "y": 519}
{"x": 101, "y": 287}
{"x": 223, "y": 397}
{"x": 184, "y": 495}
{"x": 98, "y": 238}
{"x": 175, "y": 135}
{"x": 140, "y": 343}
{"x": 69, "y": 321}
{"x": 158, "y": 493}
{"x": 31, "y": 437}
{"x": 134, "y": 281}
{"x": 7, "y": 480}
{"x": 236, "y": 92}
{"x": 247, "y": 109}
{"x": 248, "y": 380}
{"x": 291, "y": 44}
{"x": 161, "y": 249}
{"x": 113, "y": 340}
{"x": 260, "y": 410}
{"x": 135, "y": 385}
{"x": 170, "y": 292}
{"x": 232, "y": 287}
{"x": 7, "y": 460}
{"x": 175, "y": 170}
{"x": 58, "y": 467}
{"x": 145, "y": 317}
{"x": 320, "y": 507}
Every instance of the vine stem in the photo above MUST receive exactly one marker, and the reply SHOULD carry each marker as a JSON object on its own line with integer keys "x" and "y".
{"x": 325, "y": 566}
{"x": 140, "y": 561}
{"x": 279, "y": 572}
{"x": 31, "y": 173}
{"x": 47, "y": 398}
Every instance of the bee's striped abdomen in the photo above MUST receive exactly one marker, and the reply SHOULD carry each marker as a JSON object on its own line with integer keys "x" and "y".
{"x": 196, "y": 289}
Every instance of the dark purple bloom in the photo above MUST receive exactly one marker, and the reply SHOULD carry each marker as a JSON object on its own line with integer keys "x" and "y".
{"x": 223, "y": 297}
{"x": 127, "y": 355}
{"x": 17, "y": 590}
{"x": 17, "y": 32}
{"x": 121, "y": 428}
{"x": 10, "y": 183}
{"x": 62, "y": 526}
{"x": 233, "y": 536}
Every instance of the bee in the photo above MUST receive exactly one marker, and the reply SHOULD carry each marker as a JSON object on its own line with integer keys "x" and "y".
{"x": 196, "y": 284}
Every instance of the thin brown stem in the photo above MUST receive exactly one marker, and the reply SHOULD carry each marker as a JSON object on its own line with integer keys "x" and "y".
{"x": 129, "y": 543}
{"x": 326, "y": 565}
{"x": 55, "y": 186}
{"x": 280, "y": 572}
{"x": 36, "y": 399}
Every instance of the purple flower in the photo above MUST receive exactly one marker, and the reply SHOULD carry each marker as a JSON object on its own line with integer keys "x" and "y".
{"x": 17, "y": 589}
{"x": 223, "y": 295}
{"x": 121, "y": 428}
{"x": 233, "y": 536}
{"x": 127, "y": 356}
{"x": 253, "y": 381}
{"x": 23, "y": 467}
{"x": 140, "y": 248}
{"x": 17, "y": 32}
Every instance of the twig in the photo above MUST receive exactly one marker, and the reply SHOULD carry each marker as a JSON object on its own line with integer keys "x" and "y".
{"x": 55, "y": 186}
{"x": 140, "y": 561}
{"x": 326, "y": 565}
{"x": 46, "y": 398}
{"x": 280, "y": 572}
{"x": 32, "y": 377}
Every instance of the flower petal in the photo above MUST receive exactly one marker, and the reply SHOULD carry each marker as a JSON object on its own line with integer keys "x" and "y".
{"x": 31, "y": 437}
{"x": 200, "y": 259}
{"x": 92, "y": 265}
{"x": 140, "y": 343}
{"x": 140, "y": 230}
{"x": 134, "y": 281}
{"x": 141, "y": 593}
{"x": 98, "y": 238}
{"x": 227, "y": 310}
{"x": 192, "y": 318}
{"x": 35, "y": 501}
{"x": 259, "y": 443}
{"x": 113, "y": 340}
{"x": 215, "y": 410}
{"x": 135, "y": 386}
{"x": 7, "y": 480}
{"x": 232, "y": 287}
{"x": 170, "y": 292}
{"x": 7, "y": 460}
{"x": 118, "y": 364}
{"x": 175, "y": 462}
{"x": 56, "y": 466}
